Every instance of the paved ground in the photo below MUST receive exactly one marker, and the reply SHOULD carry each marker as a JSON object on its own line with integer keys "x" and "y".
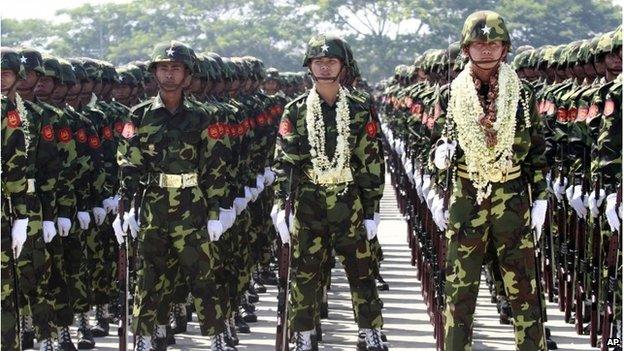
{"x": 406, "y": 322}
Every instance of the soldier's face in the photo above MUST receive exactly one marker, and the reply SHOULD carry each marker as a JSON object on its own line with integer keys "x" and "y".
{"x": 613, "y": 62}
{"x": 270, "y": 85}
{"x": 44, "y": 87}
{"x": 59, "y": 92}
{"x": 326, "y": 69}
{"x": 486, "y": 54}
{"x": 579, "y": 71}
{"x": 87, "y": 88}
{"x": 30, "y": 82}
{"x": 171, "y": 76}
{"x": 121, "y": 91}
{"x": 8, "y": 79}
{"x": 589, "y": 70}
{"x": 74, "y": 91}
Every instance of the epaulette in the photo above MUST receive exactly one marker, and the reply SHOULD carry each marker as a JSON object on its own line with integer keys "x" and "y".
{"x": 141, "y": 105}
{"x": 35, "y": 107}
{"x": 296, "y": 100}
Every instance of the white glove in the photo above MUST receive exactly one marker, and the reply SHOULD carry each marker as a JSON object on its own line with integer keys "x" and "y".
{"x": 240, "y": 204}
{"x": 18, "y": 236}
{"x": 595, "y": 203}
{"x": 84, "y": 219}
{"x": 559, "y": 188}
{"x": 118, "y": 229}
{"x": 377, "y": 218}
{"x": 227, "y": 216}
{"x": 215, "y": 229}
{"x": 440, "y": 215}
{"x": 371, "y": 228}
{"x": 269, "y": 176}
{"x": 538, "y": 216}
{"x": 99, "y": 214}
{"x": 64, "y": 225}
{"x": 49, "y": 231}
{"x": 248, "y": 194}
{"x": 549, "y": 184}
{"x": 444, "y": 153}
{"x": 110, "y": 205}
{"x": 426, "y": 185}
{"x": 418, "y": 181}
{"x": 611, "y": 212}
{"x": 431, "y": 195}
{"x": 274, "y": 211}
{"x": 130, "y": 222}
{"x": 282, "y": 227}
{"x": 260, "y": 182}
{"x": 254, "y": 194}
{"x": 579, "y": 202}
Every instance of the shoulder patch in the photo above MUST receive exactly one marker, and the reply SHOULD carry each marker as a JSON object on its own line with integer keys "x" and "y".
{"x": 94, "y": 142}
{"x": 64, "y": 135}
{"x": 609, "y": 107}
{"x": 129, "y": 130}
{"x": 371, "y": 129}
{"x": 47, "y": 132}
{"x": 13, "y": 119}
{"x": 285, "y": 127}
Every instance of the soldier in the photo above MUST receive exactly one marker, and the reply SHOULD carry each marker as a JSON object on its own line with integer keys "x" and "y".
{"x": 14, "y": 196}
{"x": 495, "y": 154}
{"x": 334, "y": 199}
{"x": 170, "y": 149}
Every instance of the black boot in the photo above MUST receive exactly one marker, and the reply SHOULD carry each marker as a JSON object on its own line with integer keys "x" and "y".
{"x": 65, "y": 342}
{"x": 241, "y": 326}
{"x": 159, "y": 339}
{"x": 190, "y": 308}
{"x": 85, "y": 338}
{"x": 102, "y": 328}
{"x": 251, "y": 298}
{"x": 231, "y": 338}
{"x": 267, "y": 277}
{"x": 505, "y": 312}
{"x": 46, "y": 345}
{"x": 258, "y": 286}
{"x": 381, "y": 284}
{"x": 28, "y": 334}
{"x": 248, "y": 314}
{"x": 178, "y": 319}
{"x": 319, "y": 333}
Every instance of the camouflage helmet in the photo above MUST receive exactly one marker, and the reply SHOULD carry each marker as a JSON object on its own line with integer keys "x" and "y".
{"x": 52, "y": 67}
{"x": 229, "y": 69}
{"x": 201, "y": 67}
{"x": 79, "y": 71}
{"x": 68, "y": 77}
{"x": 137, "y": 73}
{"x": 418, "y": 59}
{"x": 11, "y": 61}
{"x": 355, "y": 70}
{"x": 172, "y": 51}
{"x": 584, "y": 52}
{"x": 523, "y": 48}
{"x": 326, "y": 45}
{"x": 272, "y": 74}
{"x": 617, "y": 37}
{"x": 145, "y": 73}
{"x": 93, "y": 68}
{"x": 126, "y": 75}
{"x": 109, "y": 74}
{"x": 31, "y": 60}
{"x": 572, "y": 52}
{"x": 454, "y": 50}
{"x": 560, "y": 55}
{"x": 521, "y": 60}
{"x": 485, "y": 26}
{"x": 608, "y": 42}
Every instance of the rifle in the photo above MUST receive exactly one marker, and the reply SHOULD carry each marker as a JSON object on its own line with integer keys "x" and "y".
{"x": 282, "y": 332}
{"x": 611, "y": 264}
{"x": 548, "y": 253}
{"x": 122, "y": 279}
{"x": 582, "y": 262}
{"x": 561, "y": 233}
{"x": 595, "y": 273}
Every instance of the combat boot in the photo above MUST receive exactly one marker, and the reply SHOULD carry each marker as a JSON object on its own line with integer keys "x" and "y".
{"x": 85, "y": 338}
{"x": 257, "y": 284}
{"x": 381, "y": 284}
{"x": 241, "y": 326}
{"x": 46, "y": 345}
{"x": 217, "y": 343}
{"x": 28, "y": 334}
{"x": 231, "y": 338}
{"x": 101, "y": 328}
{"x": 170, "y": 337}
{"x": 159, "y": 339}
{"x": 373, "y": 340}
{"x": 178, "y": 319}
{"x": 267, "y": 277}
{"x": 251, "y": 297}
{"x": 303, "y": 341}
{"x": 65, "y": 342}
{"x": 247, "y": 313}
{"x": 142, "y": 343}
{"x": 318, "y": 332}
{"x": 324, "y": 309}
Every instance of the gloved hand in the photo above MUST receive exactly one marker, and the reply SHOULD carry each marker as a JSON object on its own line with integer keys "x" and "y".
{"x": 371, "y": 228}
{"x": 49, "y": 231}
{"x": 240, "y": 204}
{"x": 274, "y": 211}
{"x": 444, "y": 153}
{"x": 130, "y": 222}
{"x": 269, "y": 176}
{"x": 595, "y": 203}
{"x": 579, "y": 202}
{"x": 248, "y": 194}
{"x": 377, "y": 219}
{"x": 99, "y": 214}
{"x": 254, "y": 194}
{"x": 215, "y": 229}
{"x": 418, "y": 181}
{"x": 19, "y": 232}
{"x": 260, "y": 183}
{"x": 440, "y": 215}
{"x": 611, "y": 212}
{"x": 64, "y": 225}
{"x": 282, "y": 227}
{"x": 110, "y": 204}
{"x": 431, "y": 195}
{"x": 118, "y": 229}
{"x": 83, "y": 219}
{"x": 227, "y": 216}
{"x": 426, "y": 185}
{"x": 538, "y": 216}
{"x": 559, "y": 188}
{"x": 549, "y": 184}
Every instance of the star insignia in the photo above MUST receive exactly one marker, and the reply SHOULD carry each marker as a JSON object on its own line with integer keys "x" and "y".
{"x": 325, "y": 48}
{"x": 23, "y": 59}
{"x": 121, "y": 78}
{"x": 73, "y": 68}
{"x": 170, "y": 52}
{"x": 486, "y": 30}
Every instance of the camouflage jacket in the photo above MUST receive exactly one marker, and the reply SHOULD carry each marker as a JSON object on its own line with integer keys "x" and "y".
{"x": 14, "y": 161}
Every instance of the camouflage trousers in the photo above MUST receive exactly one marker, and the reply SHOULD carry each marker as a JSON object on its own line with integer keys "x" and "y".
{"x": 76, "y": 264}
{"x": 102, "y": 262}
{"x": 502, "y": 220}
{"x": 33, "y": 269}
{"x": 57, "y": 284}
{"x": 9, "y": 339}
{"x": 176, "y": 232}
{"x": 263, "y": 232}
{"x": 235, "y": 274}
{"x": 326, "y": 220}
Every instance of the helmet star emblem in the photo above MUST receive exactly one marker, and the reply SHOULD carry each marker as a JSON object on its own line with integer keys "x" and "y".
{"x": 170, "y": 51}
{"x": 325, "y": 48}
{"x": 23, "y": 59}
{"x": 486, "y": 30}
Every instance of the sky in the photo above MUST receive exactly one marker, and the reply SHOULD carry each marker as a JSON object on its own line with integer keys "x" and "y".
{"x": 45, "y": 9}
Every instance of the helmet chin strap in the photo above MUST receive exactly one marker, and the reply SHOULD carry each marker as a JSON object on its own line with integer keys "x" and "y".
{"x": 485, "y": 62}
{"x": 332, "y": 79}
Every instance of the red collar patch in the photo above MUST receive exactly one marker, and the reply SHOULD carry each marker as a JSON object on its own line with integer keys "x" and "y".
{"x": 371, "y": 129}
{"x": 285, "y": 128}
{"x": 128, "y": 130}
{"x": 107, "y": 133}
{"x": 47, "y": 132}
{"x": 13, "y": 119}
{"x": 64, "y": 135}
{"x": 94, "y": 142}
{"x": 609, "y": 107}
{"x": 81, "y": 136}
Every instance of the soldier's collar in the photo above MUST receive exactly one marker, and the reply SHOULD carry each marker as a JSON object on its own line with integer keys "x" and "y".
{"x": 158, "y": 103}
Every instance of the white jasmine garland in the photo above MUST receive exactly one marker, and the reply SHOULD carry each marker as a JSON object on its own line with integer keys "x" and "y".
{"x": 21, "y": 110}
{"x": 485, "y": 164}
{"x": 337, "y": 169}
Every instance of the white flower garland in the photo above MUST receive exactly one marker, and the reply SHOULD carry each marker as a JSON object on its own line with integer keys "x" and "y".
{"x": 23, "y": 113}
{"x": 485, "y": 164}
{"x": 337, "y": 169}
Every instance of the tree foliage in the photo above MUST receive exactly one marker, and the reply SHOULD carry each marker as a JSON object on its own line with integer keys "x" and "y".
{"x": 382, "y": 33}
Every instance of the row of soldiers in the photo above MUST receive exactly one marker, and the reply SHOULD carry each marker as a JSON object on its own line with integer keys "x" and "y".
{"x": 578, "y": 91}
{"x": 68, "y": 132}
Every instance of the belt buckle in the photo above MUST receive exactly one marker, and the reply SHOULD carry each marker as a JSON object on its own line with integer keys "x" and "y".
{"x": 188, "y": 180}
{"x": 31, "y": 185}
{"x": 170, "y": 181}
